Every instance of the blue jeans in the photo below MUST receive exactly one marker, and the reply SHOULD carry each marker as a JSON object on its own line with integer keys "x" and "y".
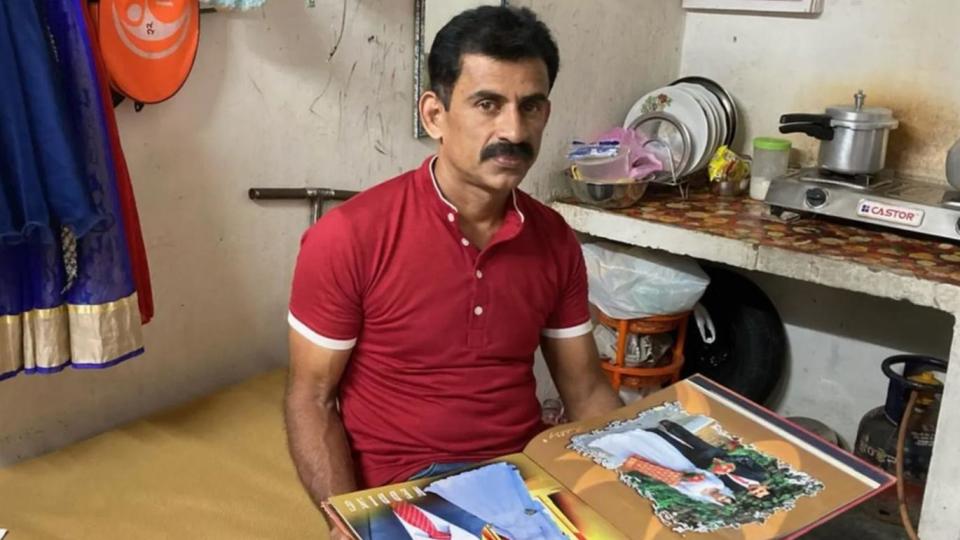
{"x": 438, "y": 469}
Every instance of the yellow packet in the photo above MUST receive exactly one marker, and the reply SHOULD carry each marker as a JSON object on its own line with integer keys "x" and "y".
{"x": 727, "y": 165}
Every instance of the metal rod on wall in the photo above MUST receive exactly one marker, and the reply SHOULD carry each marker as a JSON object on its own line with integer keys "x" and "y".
{"x": 316, "y": 196}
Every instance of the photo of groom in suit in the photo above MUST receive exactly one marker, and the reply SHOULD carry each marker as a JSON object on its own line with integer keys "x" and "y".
{"x": 429, "y": 517}
{"x": 739, "y": 473}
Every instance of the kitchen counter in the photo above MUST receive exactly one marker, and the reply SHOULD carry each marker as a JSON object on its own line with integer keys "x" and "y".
{"x": 879, "y": 262}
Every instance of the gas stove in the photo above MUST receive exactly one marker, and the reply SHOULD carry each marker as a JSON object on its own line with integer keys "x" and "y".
{"x": 884, "y": 199}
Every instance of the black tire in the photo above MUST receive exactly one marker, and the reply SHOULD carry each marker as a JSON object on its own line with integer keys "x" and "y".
{"x": 749, "y": 352}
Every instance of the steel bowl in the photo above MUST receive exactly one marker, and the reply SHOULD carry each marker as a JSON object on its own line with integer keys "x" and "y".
{"x": 609, "y": 194}
{"x": 668, "y": 134}
{"x": 730, "y": 188}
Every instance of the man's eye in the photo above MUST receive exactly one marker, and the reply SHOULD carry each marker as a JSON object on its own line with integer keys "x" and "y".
{"x": 487, "y": 105}
{"x": 532, "y": 107}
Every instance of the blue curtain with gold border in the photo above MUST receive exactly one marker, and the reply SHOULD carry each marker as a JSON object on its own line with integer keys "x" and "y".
{"x": 67, "y": 296}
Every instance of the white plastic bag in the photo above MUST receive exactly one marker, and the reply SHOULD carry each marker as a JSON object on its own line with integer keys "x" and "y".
{"x": 629, "y": 282}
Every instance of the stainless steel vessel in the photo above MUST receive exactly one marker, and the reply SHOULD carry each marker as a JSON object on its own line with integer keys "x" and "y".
{"x": 853, "y": 138}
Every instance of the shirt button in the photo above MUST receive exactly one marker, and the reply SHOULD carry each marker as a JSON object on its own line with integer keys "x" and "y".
{"x": 465, "y": 242}
{"x": 478, "y": 311}
{"x": 451, "y": 217}
{"x": 479, "y": 274}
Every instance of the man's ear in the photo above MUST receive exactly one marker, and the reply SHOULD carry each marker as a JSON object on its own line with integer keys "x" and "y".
{"x": 432, "y": 114}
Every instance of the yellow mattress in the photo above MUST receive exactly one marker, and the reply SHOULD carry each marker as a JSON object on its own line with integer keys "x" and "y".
{"x": 216, "y": 468}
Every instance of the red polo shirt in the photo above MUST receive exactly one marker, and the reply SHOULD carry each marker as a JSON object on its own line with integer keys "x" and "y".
{"x": 443, "y": 333}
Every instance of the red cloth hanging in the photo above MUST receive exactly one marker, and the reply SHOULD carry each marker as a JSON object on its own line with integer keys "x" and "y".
{"x": 128, "y": 203}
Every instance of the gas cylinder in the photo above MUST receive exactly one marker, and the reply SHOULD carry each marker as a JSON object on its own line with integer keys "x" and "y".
{"x": 877, "y": 435}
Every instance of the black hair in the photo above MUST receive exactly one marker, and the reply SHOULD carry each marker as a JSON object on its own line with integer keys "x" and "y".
{"x": 500, "y": 32}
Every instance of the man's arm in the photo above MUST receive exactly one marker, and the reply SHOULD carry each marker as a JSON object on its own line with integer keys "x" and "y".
{"x": 575, "y": 366}
{"x": 315, "y": 434}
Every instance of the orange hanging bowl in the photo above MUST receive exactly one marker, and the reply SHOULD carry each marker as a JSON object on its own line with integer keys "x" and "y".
{"x": 149, "y": 46}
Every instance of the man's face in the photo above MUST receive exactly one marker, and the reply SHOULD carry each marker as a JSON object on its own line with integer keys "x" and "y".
{"x": 722, "y": 467}
{"x": 492, "y": 129}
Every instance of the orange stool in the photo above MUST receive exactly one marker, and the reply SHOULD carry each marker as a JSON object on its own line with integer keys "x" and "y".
{"x": 642, "y": 377}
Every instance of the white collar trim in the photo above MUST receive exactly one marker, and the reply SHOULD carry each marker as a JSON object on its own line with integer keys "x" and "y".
{"x": 436, "y": 186}
{"x": 517, "y": 207}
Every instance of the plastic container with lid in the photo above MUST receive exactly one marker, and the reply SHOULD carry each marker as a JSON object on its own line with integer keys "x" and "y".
{"x": 770, "y": 159}
{"x": 605, "y": 167}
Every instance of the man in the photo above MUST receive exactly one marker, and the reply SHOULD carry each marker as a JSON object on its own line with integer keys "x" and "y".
{"x": 696, "y": 485}
{"x": 642, "y": 452}
{"x": 429, "y": 517}
{"x": 739, "y": 473}
{"x": 417, "y": 306}
{"x": 497, "y": 493}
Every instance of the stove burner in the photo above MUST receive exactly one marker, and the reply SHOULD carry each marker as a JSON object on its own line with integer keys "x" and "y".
{"x": 861, "y": 182}
{"x": 885, "y": 199}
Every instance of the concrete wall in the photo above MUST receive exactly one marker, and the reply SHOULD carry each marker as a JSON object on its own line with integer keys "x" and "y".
{"x": 837, "y": 340}
{"x": 285, "y": 96}
{"x": 902, "y": 54}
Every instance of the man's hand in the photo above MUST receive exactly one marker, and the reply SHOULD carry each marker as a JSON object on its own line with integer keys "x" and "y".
{"x": 722, "y": 467}
{"x": 693, "y": 477}
{"x": 317, "y": 441}
{"x": 575, "y": 366}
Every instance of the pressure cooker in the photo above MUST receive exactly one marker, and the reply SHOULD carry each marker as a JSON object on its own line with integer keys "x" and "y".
{"x": 853, "y": 138}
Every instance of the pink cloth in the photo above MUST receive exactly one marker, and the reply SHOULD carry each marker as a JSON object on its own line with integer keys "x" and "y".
{"x": 643, "y": 161}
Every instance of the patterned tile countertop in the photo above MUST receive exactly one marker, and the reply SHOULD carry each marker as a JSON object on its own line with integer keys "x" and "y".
{"x": 747, "y": 220}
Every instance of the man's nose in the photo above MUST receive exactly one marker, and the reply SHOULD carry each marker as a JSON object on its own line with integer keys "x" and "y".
{"x": 511, "y": 125}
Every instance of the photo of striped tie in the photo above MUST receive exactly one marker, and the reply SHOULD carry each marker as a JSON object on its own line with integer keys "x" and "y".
{"x": 415, "y": 517}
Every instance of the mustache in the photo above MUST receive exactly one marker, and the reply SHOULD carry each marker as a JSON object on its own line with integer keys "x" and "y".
{"x": 507, "y": 149}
